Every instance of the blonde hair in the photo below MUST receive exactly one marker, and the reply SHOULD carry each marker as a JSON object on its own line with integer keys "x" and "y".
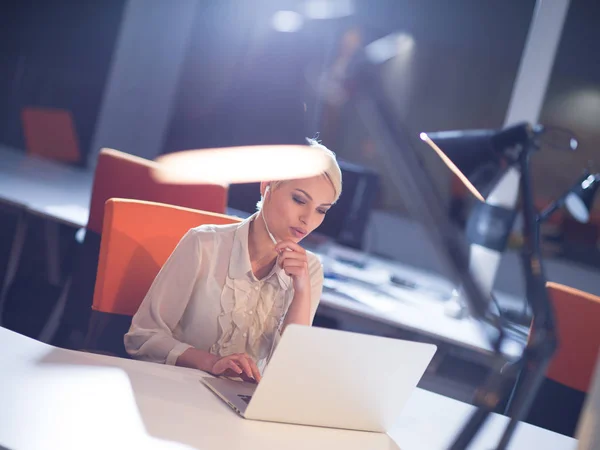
{"x": 333, "y": 173}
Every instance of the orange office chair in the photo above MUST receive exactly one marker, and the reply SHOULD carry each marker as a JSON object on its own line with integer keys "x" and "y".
{"x": 138, "y": 238}
{"x": 578, "y": 323}
{"x": 117, "y": 175}
{"x": 558, "y": 404}
{"x": 50, "y": 133}
{"x": 121, "y": 175}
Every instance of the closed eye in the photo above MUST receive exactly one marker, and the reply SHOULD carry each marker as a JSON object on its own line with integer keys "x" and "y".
{"x": 299, "y": 200}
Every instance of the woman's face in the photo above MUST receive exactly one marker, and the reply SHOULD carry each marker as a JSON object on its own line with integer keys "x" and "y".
{"x": 296, "y": 207}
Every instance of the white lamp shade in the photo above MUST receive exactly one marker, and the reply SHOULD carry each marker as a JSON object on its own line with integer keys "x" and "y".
{"x": 577, "y": 208}
{"x": 241, "y": 164}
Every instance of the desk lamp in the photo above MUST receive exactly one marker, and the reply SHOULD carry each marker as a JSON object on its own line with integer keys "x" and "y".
{"x": 498, "y": 156}
{"x": 485, "y": 161}
{"x": 241, "y": 164}
{"x": 490, "y": 163}
{"x": 578, "y": 200}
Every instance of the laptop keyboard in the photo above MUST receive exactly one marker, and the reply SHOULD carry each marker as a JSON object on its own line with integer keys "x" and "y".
{"x": 246, "y": 398}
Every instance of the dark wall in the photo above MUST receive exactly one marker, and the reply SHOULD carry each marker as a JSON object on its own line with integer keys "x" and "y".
{"x": 573, "y": 101}
{"x": 55, "y": 54}
{"x": 458, "y": 75}
{"x": 245, "y": 83}
{"x": 242, "y": 82}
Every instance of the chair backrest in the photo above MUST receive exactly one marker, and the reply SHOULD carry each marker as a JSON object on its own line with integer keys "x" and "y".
{"x": 50, "y": 133}
{"x": 138, "y": 238}
{"x": 120, "y": 175}
{"x": 578, "y": 325}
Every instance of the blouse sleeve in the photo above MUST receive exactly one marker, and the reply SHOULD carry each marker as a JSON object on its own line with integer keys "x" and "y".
{"x": 150, "y": 337}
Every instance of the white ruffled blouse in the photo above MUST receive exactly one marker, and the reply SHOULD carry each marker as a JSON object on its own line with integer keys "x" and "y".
{"x": 206, "y": 296}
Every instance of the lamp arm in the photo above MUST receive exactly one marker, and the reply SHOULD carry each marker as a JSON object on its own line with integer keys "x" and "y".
{"x": 551, "y": 209}
{"x": 412, "y": 180}
{"x": 542, "y": 341}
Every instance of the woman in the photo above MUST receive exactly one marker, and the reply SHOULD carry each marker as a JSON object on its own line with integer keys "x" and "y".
{"x": 227, "y": 292}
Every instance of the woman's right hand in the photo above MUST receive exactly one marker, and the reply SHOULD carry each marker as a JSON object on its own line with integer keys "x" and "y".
{"x": 236, "y": 365}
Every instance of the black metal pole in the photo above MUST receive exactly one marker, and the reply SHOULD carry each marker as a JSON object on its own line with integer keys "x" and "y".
{"x": 487, "y": 399}
{"x": 411, "y": 179}
{"x": 550, "y": 209}
{"x": 542, "y": 339}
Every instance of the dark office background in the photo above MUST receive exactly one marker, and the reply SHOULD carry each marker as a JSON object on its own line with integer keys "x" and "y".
{"x": 245, "y": 83}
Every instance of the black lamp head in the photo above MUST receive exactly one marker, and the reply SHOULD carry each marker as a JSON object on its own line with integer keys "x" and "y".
{"x": 580, "y": 199}
{"x": 479, "y": 157}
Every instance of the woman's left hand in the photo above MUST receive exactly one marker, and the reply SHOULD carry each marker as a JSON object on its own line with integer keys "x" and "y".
{"x": 293, "y": 260}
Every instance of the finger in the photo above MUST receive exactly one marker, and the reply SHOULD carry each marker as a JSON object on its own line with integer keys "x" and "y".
{"x": 294, "y": 272}
{"x": 288, "y": 264}
{"x": 288, "y": 246}
{"x": 247, "y": 379}
{"x": 255, "y": 370}
{"x": 294, "y": 262}
{"x": 291, "y": 256}
{"x": 233, "y": 365}
{"x": 229, "y": 373}
{"x": 281, "y": 246}
{"x": 242, "y": 360}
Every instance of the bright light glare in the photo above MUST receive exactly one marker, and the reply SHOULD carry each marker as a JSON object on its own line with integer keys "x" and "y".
{"x": 578, "y": 108}
{"x": 328, "y": 9}
{"x": 82, "y": 395}
{"x": 73, "y": 213}
{"x": 241, "y": 164}
{"x": 390, "y": 46}
{"x": 573, "y": 143}
{"x": 405, "y": 43}
{"x": 588, "y": 182}
{"x": 577, "y": 208}
{"x": 287, "y": 21}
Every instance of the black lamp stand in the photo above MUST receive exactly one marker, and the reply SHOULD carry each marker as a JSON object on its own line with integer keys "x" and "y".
{"x": 412, "y": 180}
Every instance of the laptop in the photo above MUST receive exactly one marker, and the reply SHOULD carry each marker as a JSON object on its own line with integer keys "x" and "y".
{"x": 331, "y": 378}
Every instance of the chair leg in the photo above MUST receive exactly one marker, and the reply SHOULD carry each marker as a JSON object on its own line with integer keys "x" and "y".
{"x": 16, "y": 252}
{"x": 96, "y": 326}
{"x": 52, "y": 232}
{"x": 53, "y": 322}
{"x": 508, "y": 410}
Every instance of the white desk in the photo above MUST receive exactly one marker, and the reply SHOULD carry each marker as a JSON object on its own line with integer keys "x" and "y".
{"x": 51, "y": 190}
{"x": 56, "y": 398}
{"x": 45, "y": 187}
{"x": 418, "y": 310}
